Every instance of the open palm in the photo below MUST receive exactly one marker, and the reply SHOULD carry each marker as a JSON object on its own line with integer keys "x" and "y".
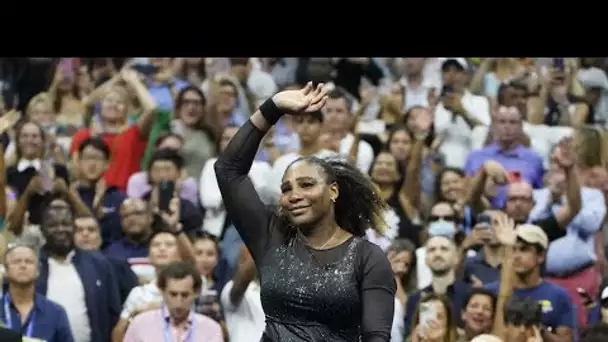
{"x": 306, "y": 100}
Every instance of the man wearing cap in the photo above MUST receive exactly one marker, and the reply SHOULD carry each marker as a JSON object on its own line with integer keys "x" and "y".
{"x": 441, "y": 256}
{"x": 527, "y": 258}
{"x": 458, "y": 112}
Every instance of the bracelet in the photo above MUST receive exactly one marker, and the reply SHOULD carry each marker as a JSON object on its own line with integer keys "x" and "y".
{"x": 270, "y": 111}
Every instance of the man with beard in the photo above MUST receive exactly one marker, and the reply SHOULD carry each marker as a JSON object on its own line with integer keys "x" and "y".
{"x": 441, "y": 258}
{"x": 81, "y": 281}
{"x": 527, "y": 258}
{"x": 23, "y": 309}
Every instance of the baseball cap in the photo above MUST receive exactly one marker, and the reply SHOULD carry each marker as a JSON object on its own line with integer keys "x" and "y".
{"x": 593, "y": 78}
{"x": 532, "y": 234}
{"x": 460, "y": 61}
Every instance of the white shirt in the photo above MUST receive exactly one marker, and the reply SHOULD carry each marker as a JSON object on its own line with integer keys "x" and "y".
{"x": 273, "y": 182}
{"x": 24, "y": 164}
{"x": 211, "y": 198}
{"x": 398, "y": 329}
{"x": 457, "y": 143}
{"x": 423, "y": 272}
{"x": 66, "y": 289}
{"x": 245, "y": 322}
{"x": 365, "y": 154}
{"x": 542, "y": 138}
{"x": 415, "y": 96}
{"x": 140, "y": 295}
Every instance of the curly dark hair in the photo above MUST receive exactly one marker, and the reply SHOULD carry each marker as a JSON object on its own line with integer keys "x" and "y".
{"x": 358, "y": 207}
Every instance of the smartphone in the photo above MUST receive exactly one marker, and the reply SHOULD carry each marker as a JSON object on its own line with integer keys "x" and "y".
{"x": 146, "y": 69}
{"x": 165, "y": 194}
{"x": 446, "y": 90}
{"x": 483, "y": 221}
{"x": 428, "y": 314}
{"x": 514, "y": 176}
{"x": 558, "y": 64}
{"x": 47, "y": 177}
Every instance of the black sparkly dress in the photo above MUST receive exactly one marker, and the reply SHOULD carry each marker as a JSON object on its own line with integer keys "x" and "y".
{"x": 345, "y": 293}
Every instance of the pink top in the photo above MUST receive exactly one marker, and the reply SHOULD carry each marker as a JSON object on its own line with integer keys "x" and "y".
{"x": 148, "y": 327}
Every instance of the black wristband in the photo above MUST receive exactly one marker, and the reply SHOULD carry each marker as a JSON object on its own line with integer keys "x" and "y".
{"x": 270, "y": 111}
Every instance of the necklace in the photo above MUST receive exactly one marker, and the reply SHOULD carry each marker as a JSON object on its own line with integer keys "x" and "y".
{"x": 305, "y": 240}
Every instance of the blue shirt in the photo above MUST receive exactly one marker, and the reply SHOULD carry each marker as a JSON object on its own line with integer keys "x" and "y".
{"x": 50, "y": 320}
{"x": 162, "y": 93}
{"x": 577, "y": 248}
{"x": 457, "y": 293}
{"x": 522, "y": 159}
{"x": 557, "y": 307}
{"x": 478, "y": 267}
{"x": 124, "y": 249}
{"x": 111, "y": 229}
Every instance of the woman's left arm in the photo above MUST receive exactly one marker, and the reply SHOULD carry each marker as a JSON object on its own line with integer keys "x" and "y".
{"x": 377, "y": 286}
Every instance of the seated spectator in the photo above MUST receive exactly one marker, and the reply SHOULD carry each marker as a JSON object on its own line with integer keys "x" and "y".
{"x": 165, "y": 249}
{"x": 240, "y": 298}
{"x": 87, "y": 236}
{"x": 139, "y": 184}
{"x": 523, "y": 319}
{"x": 32, "y": 162}
{"x": 214, "y": 274}
{"x": 571, "y": 260}
{"x": 401, "y": 193}
{"x": 477, "y": 314}
{"x": 458, "y": 112}
{"x": 103, "y": 200}
{"x": 442, "y": 328}
{"x": 485, "y": 266}
{"x": 508, "y": 151}
{"x": 216, "y": 221}
{"x": 166, "y": 166}
{"x": 139, "y": 226}
{"x": 197, "y": 127}
{"x": 24, "y": 309}
{"x": 441, "y": 257}
{"x": 179, "y": 283}
{"x": 401, "y": 255}
{"x": 528, "y": 256}
{"x": 81, "y": 281}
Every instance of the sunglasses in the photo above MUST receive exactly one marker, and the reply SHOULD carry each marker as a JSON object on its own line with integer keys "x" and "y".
{"x": 450, "y": 218}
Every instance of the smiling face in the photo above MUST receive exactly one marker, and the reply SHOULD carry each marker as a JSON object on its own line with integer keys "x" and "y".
{"x": 305, "y": 195}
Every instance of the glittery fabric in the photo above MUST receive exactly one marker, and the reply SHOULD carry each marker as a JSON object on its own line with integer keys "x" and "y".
{"x": 311, "y": 298}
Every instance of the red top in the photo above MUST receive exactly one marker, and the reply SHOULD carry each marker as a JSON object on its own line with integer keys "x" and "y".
{"x": 127, "y": 149}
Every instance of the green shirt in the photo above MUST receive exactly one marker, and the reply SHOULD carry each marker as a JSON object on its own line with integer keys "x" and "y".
{"x": 161, "y": 124}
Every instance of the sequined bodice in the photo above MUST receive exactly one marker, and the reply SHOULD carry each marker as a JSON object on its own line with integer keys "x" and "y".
{"x": 306, "y": 300}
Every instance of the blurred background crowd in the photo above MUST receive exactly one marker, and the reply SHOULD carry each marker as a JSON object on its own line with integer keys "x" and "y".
{"x": 110, "y": 191}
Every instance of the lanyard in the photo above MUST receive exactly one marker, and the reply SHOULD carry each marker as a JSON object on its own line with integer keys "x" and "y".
{"x": 167, "y": 331}
{"x": 9, "y": 321}
{"x": 467, "y": 219}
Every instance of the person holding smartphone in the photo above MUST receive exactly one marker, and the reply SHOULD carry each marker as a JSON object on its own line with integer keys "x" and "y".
{"x": 434, "y": 320}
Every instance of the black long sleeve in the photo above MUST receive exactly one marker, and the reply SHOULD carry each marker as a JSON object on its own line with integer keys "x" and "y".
{"x": 243, "y": 205}
{"x": 377, "y": 295}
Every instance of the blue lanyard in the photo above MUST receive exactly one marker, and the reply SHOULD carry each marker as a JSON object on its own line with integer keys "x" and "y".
{"x": 167, "y": 331}
{"x": 9, "y": 321}
{"x": 467, "y": 219}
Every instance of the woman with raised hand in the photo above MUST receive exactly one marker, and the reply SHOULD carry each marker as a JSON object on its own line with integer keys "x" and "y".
{"x": 320, "y": 280}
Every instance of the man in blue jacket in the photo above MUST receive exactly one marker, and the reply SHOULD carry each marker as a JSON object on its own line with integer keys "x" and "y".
{"x": 81, "y": 281}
